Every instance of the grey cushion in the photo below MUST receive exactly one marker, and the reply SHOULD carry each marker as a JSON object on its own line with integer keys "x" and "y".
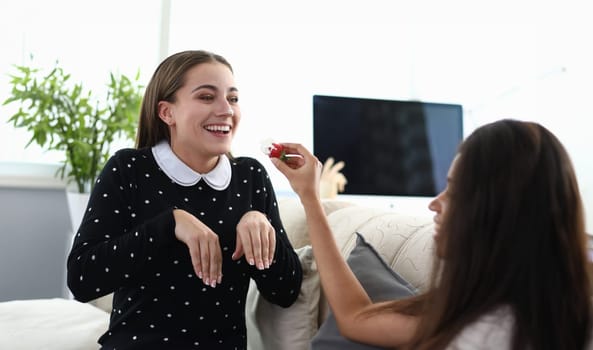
{"x": 271, "y": 327}
{"x": 380, "y": 282}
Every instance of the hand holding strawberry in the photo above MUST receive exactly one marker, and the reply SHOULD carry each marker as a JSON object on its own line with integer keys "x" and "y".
{"x": 302, "y": 169}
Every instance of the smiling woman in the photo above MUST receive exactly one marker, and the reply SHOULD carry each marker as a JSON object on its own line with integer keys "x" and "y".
{"x": 171, "y": 214}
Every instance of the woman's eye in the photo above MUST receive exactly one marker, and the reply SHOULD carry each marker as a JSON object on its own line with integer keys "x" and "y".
{"x": 206, "y": 97}
{"x": 234, "y": 99}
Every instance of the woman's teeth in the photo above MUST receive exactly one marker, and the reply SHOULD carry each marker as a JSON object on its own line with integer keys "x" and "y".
{"x": 218, "y": 128}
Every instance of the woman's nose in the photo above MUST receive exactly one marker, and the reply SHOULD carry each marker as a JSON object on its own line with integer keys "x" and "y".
{"x": 434, "y": 204}
{"x": 224, "y": 108}
{"x": 229, "y": 111}
{"x": 226, "y": 111}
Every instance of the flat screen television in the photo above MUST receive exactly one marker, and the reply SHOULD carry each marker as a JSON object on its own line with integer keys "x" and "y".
{"x": 391, "y": 148}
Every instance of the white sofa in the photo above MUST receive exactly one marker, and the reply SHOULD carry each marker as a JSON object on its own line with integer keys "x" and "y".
{"x": 404, "y": 242}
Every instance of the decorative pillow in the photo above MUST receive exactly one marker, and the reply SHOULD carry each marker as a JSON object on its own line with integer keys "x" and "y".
{"x": 378, "y": 280}
{"x": 293, "y": 217}
{"x": 51, "y": 324}
{"x": 272, "y": 327}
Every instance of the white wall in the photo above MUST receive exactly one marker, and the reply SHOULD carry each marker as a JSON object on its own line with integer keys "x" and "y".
{"x": 88, "y": 38}
{"x": 518, "y": 59}
{"x": 521, "y": 60}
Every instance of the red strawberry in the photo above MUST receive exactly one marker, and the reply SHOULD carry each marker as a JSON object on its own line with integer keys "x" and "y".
{"x": 277, "y": 151}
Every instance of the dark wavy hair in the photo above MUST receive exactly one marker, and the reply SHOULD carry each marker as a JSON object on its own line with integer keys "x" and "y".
{"x": 166, "y": 80}
{"x": 513, "y": 235}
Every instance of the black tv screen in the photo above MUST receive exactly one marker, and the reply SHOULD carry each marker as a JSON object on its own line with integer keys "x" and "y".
{"x": 391, "y": 148}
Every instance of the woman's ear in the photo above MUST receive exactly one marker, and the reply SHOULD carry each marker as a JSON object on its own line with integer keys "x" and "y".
{"x": 166, "y": 112}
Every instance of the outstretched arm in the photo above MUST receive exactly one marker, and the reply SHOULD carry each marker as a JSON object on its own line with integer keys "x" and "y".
{"x": 347, "y": 298}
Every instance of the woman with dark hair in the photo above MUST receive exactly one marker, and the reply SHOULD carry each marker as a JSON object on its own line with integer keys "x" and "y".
{"x": 167, "y": 220}
{"x": 511, "y": 271}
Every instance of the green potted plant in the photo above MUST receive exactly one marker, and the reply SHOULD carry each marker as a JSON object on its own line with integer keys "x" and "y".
{"x": 63, "y": 116}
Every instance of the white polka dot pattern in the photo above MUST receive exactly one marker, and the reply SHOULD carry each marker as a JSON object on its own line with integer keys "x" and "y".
{"x": 126, "y": 244}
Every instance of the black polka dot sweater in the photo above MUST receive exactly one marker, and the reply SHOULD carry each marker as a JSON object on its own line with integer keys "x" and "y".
{"x": 126, "y": 244}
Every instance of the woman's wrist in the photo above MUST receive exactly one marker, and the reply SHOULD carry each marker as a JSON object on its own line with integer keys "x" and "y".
{"x": 309, "y": 199}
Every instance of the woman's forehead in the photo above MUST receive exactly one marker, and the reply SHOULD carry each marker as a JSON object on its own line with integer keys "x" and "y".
{"x": 453, "y": 166}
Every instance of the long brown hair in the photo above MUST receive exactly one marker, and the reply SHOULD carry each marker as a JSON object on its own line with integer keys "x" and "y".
{"x": 514, "y": 235}
{"x": 166, "y": 80}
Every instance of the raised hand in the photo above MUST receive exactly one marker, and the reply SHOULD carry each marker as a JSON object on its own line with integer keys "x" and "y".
{"x": 303, "y": 173}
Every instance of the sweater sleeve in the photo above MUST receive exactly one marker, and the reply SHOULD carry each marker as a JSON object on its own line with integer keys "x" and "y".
{"x": 111, "y": 248}
{"x": 281, "y": 283}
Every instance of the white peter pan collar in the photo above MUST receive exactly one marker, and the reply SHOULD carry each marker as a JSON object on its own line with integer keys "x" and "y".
{"x": 218, "y": 178}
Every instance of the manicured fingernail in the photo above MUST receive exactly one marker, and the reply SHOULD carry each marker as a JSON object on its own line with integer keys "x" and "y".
{"x": 207, "y": 281}
{"x": 267, "y": 264}
{"x": 251, "y": 262}
{"x": 213, "y": 284}
{"x": 200, "y": 275}
{"x": 260, "y": 266}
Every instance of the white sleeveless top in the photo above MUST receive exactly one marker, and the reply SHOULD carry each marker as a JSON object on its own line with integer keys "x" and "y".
{"x": 492, "y": 331}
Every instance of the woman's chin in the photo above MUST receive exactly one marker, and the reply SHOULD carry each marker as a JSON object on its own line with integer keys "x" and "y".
{"x": 436, "y": 233}
{"x": 220, "y": 149}
{"x": 437, "y": 243}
